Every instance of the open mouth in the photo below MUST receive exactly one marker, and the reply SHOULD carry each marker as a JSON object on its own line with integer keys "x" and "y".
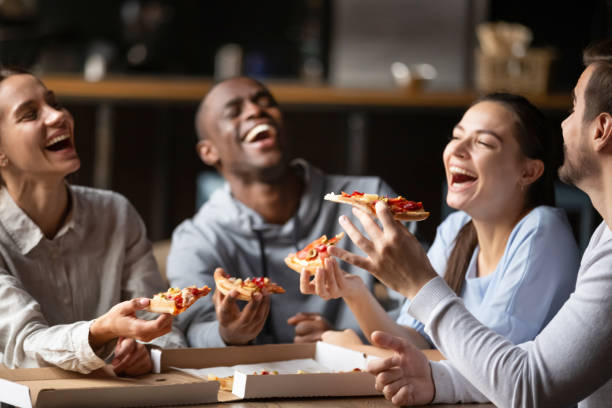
{"x": 59, "y": 143}
{"x": 259, "y": 132}
{"x": 460, "y": 176}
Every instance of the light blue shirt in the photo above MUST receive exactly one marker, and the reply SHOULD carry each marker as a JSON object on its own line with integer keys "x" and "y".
{"x": 534, "y": 277}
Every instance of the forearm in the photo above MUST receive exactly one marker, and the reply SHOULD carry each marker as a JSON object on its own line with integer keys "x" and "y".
{"x": 371, "y": 317}
{"x": 65, "y": 346}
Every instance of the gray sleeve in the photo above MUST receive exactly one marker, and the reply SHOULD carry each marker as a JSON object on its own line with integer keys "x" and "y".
{"x": 191, "y": 262}
{"x": 141, "y": 276}
{"x": 27, "y": 340}
{"x": 566, "y": 362}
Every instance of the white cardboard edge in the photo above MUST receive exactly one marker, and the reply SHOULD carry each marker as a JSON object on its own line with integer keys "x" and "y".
{"x": 239, "y": 386}
{"x": 15, "y": 394}
{"x": 156, "y": 355}
{"x": 339, "y": 358}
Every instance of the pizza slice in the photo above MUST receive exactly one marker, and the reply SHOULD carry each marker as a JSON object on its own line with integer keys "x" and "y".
{"x": 313, "y": 256}
{"x": 225, "y": 383}
{"x": 247, "y": 287}
{"x": 176, "y": 301}
{"x": 402, "y": 209}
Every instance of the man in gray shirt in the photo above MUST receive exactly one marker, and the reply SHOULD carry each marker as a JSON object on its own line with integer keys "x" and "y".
{"x": 570, "y": 361}
{"x": 268, "y": 208}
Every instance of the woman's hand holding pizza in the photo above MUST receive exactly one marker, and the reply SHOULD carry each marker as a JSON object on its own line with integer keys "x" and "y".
{"x": 121, "y": 321}
{"x": 331, "y": 282}
{"x": 237, "y": 326}
{"x": 395, "y": 256}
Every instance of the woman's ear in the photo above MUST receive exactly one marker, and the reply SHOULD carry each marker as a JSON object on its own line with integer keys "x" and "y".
{"x": 208, "y": 152}
{"x": 603, "y": 131}
{"x": 532, "y": 170}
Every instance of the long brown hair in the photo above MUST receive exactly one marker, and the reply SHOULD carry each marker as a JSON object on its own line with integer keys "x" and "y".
{"x": 536, "y": 141}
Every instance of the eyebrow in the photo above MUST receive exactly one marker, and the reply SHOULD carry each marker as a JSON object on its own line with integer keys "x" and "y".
{"x": 481, "y": 131}
{"x": 23, "y": 106}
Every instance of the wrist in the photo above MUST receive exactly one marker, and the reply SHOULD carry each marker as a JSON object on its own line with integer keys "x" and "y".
{"x": 100, "y": 333}
{"x": 355, "y": 289}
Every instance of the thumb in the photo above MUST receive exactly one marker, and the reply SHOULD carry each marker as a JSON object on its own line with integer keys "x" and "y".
{"x": 386, "y": 340}
{"x": 137, "y": 304}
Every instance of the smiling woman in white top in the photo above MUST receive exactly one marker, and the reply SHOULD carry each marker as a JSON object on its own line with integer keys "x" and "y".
{"x": 500, "y": 165}
{"x": 75, "y": 263}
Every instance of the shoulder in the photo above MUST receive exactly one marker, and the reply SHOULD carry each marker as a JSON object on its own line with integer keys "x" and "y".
{"x": 97, "y": 199}
{"x": 544, "y": 220}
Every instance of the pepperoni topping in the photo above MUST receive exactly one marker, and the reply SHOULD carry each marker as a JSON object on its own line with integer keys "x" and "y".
{"x": 353, "y": 194}
{"x": 178, "y": 301}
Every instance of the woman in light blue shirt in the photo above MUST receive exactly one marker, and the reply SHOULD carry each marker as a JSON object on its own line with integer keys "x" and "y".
{"x": 500, "y": 165}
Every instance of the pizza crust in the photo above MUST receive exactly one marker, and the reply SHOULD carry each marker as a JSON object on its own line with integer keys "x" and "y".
{"x": 160, "y": 305}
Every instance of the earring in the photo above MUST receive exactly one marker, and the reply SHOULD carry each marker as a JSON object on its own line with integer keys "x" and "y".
{"x": 4, "y": 161}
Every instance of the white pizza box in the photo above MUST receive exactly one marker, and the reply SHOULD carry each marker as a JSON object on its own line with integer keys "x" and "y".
{"x": 340, "y": 380}
{"x": 54, "y": 387}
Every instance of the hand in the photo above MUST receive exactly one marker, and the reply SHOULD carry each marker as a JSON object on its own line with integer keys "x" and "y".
{"x": 121, "y": 321}
{"x": 309, "y": 327}
{"x": 239, "y": 327}
{"x": 346, "y": 337}
{"x": 405, "y": 378}
{"x": 131, "y": 358}
{"x": 395, "y": 256}
{"x": 330, "y": 282}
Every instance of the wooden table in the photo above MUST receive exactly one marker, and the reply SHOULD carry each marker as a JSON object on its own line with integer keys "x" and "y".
{"x": 354, "y": 402}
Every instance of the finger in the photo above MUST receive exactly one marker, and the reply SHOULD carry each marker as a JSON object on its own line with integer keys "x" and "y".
{"x": 380, "y": 365}
{"x": 369, "y": 225}
{"x": 256, "y": 312}
{"x": 354, "y": 234}
{"x": 309, "y": 326}
{"x": 226, "y": 308}
{"x": 337, "y": 274}
{"x": 386, "y": 340}
{"x": 305, "y": 286}
{"x": 321, "y": 283}
{"x": 300, "y": 317}
{"x": 138, "y": 362}
{"x": 404, "y": 396}
{"x": 350, "y": 257}
{"x": 385, "y": 216}
{"x": 147, "y": 330}
{"x": 391, "y": 376}
{"x": 124, "y": 346}
{"x": 130, "y": 306}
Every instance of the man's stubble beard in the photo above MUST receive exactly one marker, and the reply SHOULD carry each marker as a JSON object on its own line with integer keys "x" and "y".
{"x": 574, "y": 171}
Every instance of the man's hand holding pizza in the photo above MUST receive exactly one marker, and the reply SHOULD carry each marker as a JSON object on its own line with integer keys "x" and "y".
{"x": 238, "y": 327}
{"x": 394, "y": 255}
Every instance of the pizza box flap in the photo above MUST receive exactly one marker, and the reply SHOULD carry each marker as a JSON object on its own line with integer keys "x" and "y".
{"x": 229, "y": 356}
{"x": 53, "y": 387}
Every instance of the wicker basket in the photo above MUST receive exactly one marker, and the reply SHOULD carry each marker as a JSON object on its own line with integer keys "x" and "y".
{"x": 528, "y": 74}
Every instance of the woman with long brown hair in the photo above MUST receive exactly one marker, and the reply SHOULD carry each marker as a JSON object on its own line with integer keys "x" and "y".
{"x": 500, "y": 164}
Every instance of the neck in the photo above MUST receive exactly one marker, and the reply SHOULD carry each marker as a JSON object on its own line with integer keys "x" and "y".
{"x": 492, "y": 239}
{"x": 45, "y": 203}
{"x": 276, "y": 202}
{"x": 599, "y": 191}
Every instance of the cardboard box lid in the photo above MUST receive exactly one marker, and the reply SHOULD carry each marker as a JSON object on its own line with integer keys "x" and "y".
{"x": 53, "y": 387}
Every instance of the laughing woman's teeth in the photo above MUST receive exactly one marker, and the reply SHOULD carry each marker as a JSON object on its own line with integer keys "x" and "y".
{"x": 459, "y": 170}
{"x": 57, "y": 139}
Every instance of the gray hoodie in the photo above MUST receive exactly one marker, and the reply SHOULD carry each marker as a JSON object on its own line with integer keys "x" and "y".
{"x": 226, "y": 233}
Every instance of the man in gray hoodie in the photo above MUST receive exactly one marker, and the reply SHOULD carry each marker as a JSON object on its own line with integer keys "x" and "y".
{"x": 267, "y": 208}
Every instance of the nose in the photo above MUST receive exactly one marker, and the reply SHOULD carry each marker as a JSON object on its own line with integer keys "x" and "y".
{"x": 252, "y": 109}
{"x": 54, "y": 116}
{"x": 460, "y": 148}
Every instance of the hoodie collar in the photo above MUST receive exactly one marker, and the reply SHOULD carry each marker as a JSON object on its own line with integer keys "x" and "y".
{"x": 310, "y": 204}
